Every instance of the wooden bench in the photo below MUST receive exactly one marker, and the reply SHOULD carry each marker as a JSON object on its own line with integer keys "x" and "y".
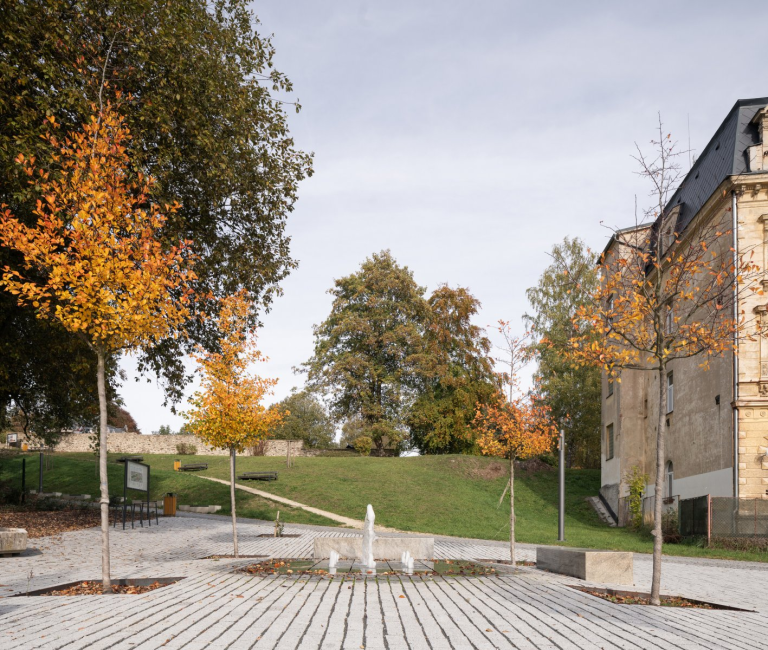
{"x": 136, "y": 459}
{"x": 258, "y": 476}
{"x": 193, "y": 467}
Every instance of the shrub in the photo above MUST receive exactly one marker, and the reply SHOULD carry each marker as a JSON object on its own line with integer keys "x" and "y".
{"x": 669, "y": 526}
{"x": 186, "y": 449}
{"x": 363, "y": 445}
{"x": 636, "y": 482}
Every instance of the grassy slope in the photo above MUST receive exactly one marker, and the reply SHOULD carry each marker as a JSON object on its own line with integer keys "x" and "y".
{"x": 76, "y": 474}
{"x": 449, "y": 495}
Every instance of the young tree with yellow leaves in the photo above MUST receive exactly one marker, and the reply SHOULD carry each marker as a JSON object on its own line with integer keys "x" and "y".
{"x": 94, "y": 263}
{"x": 666, "y": 292}
{"x": 228, "y": 412}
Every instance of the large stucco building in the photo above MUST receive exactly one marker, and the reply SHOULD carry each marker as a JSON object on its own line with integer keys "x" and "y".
{"x": 717, "y": 425}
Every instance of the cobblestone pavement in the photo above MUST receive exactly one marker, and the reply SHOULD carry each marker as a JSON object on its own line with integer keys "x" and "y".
{"x": 216, "y": 608}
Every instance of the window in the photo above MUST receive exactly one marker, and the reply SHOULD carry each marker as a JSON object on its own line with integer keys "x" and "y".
{"x": 670, "y": 393}
{"x": 609, "y": 309}
{"x": 669, "y": 483}
{"x": 669, "y": 320}
{"x": 610, "y": 385}
{"x": 609, "y": 442}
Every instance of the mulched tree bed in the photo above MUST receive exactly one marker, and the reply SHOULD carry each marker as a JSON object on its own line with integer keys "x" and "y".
{"x": 130, "y": 587}
{"x": 293, "y": 567}
{"x": 637, "y": 598}
{"x": 507, "y": 562}
{"x": 93, "y": 588}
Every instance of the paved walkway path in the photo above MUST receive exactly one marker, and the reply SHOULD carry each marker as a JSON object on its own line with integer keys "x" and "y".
{"x": 214, "y": 607}
{"x": 351, "y": 523}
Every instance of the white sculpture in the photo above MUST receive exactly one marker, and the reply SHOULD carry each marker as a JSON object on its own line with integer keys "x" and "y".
{"x": 407, "y": 561}
{"x": 368, "y": 537}
{"x": 334, "y": 560}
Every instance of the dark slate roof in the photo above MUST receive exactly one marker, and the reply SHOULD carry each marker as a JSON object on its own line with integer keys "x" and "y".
{"x": 725, "y": 155}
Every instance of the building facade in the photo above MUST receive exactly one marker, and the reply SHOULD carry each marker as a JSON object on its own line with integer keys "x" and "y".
{"x": 717, "y": 419}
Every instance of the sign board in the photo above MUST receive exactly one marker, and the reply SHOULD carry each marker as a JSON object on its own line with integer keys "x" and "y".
{"x": 12, "y": 438}
{"x": 137, "y": 476}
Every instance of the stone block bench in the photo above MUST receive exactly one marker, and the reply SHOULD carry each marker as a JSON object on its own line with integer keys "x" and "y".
{"x": 607, "y": 567}
{"x": 13, "y": 541}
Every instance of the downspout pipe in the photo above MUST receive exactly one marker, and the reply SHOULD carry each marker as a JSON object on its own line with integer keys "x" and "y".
{"x": 734, "y": 212}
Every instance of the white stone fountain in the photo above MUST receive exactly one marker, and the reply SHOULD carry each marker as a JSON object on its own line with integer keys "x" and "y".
{"x": 371, "y": 547}
{"x": 368, "y": 538}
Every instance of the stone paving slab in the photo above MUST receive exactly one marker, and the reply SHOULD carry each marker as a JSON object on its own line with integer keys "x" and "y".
{"x": 214, "y": 607}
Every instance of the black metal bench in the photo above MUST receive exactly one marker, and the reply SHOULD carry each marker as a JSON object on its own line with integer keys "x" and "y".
{"x": 258, "y": 476}
{"x": 193, "y": 467}
{"x": 136, "y": 459}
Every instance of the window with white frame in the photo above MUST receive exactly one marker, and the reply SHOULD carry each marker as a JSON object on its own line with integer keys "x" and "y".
{"x": 609, "y": 442}
{"x": 670, "y": 392}
{"x": 669, "y": 320}
{"x": 669, "y": 483}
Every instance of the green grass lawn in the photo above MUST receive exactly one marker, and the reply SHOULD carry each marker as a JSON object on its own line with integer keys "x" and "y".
{"x": 445, "y": 495}
{"x": 76, "y": 474}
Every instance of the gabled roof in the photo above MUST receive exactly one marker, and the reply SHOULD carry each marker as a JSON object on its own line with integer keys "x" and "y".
{"x": 725, "y": 155}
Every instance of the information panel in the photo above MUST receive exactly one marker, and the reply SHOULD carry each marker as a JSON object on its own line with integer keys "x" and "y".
{"x": 137, "y": 476}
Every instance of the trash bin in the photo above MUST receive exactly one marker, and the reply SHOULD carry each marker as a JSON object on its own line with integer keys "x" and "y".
{"x": 169, "y": 505}
{"x": 176, "y": 465}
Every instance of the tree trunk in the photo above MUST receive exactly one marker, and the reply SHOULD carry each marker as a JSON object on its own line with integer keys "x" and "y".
{"x": 106, "y": 582}
{"x": 232, "y": 497}
{"x": 658, "y": 501}
{"x": 512, "y": 508}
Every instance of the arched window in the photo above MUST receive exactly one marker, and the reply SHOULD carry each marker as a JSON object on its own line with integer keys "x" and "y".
{"x": 669, "y": 483}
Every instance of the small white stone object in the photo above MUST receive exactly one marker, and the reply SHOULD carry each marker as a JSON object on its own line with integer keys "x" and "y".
{"x": 334, "y": 560}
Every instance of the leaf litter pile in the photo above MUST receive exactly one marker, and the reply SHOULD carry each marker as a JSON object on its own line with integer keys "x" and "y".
{"x": 41, "y": 523}
{"x": 93, "y": 588}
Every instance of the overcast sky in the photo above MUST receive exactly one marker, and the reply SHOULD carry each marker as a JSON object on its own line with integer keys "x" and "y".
{"x": 469, "y": 137}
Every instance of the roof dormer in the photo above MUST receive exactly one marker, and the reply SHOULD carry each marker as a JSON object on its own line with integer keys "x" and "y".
{"x": 757, "y": 153}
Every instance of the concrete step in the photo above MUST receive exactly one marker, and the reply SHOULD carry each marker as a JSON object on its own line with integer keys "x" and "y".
{"x": 604, "y": 515}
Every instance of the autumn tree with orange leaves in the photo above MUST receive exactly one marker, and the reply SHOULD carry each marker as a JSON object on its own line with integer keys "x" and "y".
{"x": 516, "y": 426}
{"x": 515, "y": 430}
{"x": 93, "y": 262}
{"x": 666, "y": 293}
{"x": 228, "y": 410}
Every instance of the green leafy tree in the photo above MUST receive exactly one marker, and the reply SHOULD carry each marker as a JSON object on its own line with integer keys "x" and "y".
{"x": 207, "y": 124}
{"x": 351, "y": 430}
{"x": 370, "y": 354}
{"x": 572, "y": 391}
{"x": 305, "y": 418}
{"x": 441, "y": 420}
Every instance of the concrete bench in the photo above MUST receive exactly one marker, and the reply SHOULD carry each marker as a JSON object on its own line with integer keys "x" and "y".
{"x": 258, "y": 476}
{"x": 13, "y": 541}
{"x": 607, "y": 567}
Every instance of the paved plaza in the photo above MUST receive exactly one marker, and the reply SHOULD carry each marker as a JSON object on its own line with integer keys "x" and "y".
{"x": 214, "y": 607}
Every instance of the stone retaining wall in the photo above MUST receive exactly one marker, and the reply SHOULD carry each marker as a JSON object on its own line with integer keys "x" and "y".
{"x": 135, "y": 443}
